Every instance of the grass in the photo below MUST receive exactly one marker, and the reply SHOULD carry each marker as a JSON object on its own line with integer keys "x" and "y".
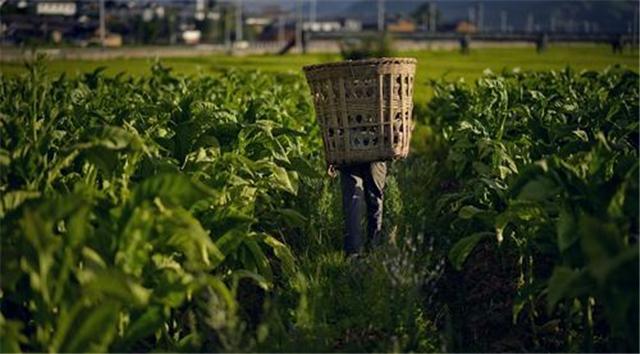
{"x": 431, "y": 64}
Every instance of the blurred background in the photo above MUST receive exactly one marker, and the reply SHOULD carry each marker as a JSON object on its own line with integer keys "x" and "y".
{"x": 192, "y": 27}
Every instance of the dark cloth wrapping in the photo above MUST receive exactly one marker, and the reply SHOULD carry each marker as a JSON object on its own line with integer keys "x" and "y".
{"x": 363, "y": 180}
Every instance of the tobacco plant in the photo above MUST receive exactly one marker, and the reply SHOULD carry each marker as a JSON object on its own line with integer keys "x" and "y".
{"x": 132, "y": 207}
{"x": 545, "y": 166}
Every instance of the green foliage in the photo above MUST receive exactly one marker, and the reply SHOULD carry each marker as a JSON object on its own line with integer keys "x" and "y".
{"x": 130, "y": 203}
{"x": 171, "y": 213}
{"x": 547, "y": 163}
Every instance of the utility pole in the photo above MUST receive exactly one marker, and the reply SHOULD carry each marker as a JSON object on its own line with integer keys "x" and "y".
{"x": 299, "y": 25}
{"x": 503, "y": 21}
{"x": 380, "y": 15}
{"x": 281, "y": 25}
{"x": 529, "y": 28}
{"x": 102, "y": 23}
{"x": 238, "y": 20}
{"x": 634, "y": 36}
{"x": 313, "y": 9}
{"x": 480, "y": 16}
{"x": 227, "y": 28}
{"x": 432, "y": 17}
{"x": 1, "y": 31}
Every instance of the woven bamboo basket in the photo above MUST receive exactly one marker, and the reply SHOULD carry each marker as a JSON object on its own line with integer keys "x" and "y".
{"x": 364, "y": 108}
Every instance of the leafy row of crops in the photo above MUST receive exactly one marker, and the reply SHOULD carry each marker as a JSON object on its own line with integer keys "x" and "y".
{"x": 540, "y": 187}
{"x": 130, "y": 205}
{"x": 189, "y": 214}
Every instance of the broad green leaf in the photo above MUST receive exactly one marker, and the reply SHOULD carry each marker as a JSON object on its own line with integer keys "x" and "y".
{"x": 256, "y": 278}
{"x": 190, "y": 343}
{"x": 92, "y": 259}
{"x": 260, "y": 260}
{"x": 461, "y": 249}
{"x": 135, "y": 243}
{"x": 78, "y": 227}
{"x": 105, "y": 159}
{"x": 230, "y": 219}
{"x": 622, "y": 266}
{"x": 281, "y": 179}
{"x": 112, "y": 137}
{"x": 5, "y": 157}
{"x": 189, "y": 237}
{"x": 292, "y": 217}
{"x": 538, "y": 189}
{"x": 13, "y": 199}
{"x": 229, "y": 241}
{"x": 11, "y": 334}
{"x": 304, "y": 167}
{"x": 501, "y": 222}
{"x": 96, "y": 329}
{"x": 64, "y": 324}
{"x": 600, "y": 240}
{"x": 173, "y": 283}
{"x": 283, "y": 253}
{"x": 566, "y": 283}
{"x": 207, "y": 141}
{"x": 468, "y": 212}
{"x": 567, "y": 230}
{"x": 523, "y": 295}
{"x": 111, "y": 284}
{"x": 144, "y": 325}
{"x": 616, "y": 205}
{"x": 176, "y": 188}
{"x": 219, "y": 287}
{"x": 581, "y": 134}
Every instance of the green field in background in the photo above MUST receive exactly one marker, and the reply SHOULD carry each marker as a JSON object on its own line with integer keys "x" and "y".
{"x": 449, "y": 64}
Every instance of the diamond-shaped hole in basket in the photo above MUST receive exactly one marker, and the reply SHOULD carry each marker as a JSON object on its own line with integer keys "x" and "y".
{"x": 398, "y": 126}
{"x": 396, "y": 138}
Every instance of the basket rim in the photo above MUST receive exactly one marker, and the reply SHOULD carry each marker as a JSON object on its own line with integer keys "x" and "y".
{"x": 361, "y": 62}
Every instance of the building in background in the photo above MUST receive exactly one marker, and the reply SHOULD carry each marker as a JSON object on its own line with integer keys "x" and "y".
{"x": 164, "y": 22}
{"x": 401, "y": 25}
{"x": 66, "y": 8}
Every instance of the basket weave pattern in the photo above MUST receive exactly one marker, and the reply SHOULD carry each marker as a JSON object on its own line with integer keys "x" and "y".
{"x": 364, "y": 108}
